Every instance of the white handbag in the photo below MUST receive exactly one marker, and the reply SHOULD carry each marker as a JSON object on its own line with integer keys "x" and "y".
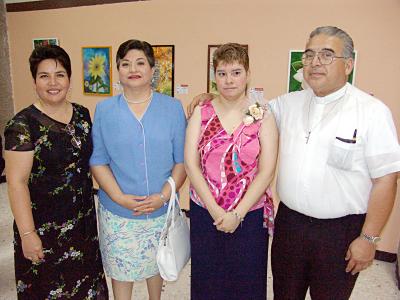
{"x": 174, "y": 246}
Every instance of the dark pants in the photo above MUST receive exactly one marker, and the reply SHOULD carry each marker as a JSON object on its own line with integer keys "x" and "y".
{"x": 228, "y": 266}
{"x": 1, "y": 158}
{"x": 310, "y": 253}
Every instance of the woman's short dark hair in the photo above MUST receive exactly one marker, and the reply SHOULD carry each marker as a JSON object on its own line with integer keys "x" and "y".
{"x": 49, "y": 52}
{"x": 136, "y": 45}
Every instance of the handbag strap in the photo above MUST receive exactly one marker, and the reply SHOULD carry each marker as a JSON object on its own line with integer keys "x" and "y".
{"x": 171, "y": 182}
{"x": 172, "y": 200}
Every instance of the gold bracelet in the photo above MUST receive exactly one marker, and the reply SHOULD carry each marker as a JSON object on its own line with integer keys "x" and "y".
{"x": 28, "y": 233}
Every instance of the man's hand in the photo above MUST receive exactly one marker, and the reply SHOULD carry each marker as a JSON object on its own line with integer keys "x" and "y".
{"x": 199, "y": 100}
{"x": 360, "y": 255}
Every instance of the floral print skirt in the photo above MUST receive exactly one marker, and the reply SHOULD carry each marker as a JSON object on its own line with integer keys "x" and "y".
{"x": 129, "y": 246}
{"x": 71, "y": 268}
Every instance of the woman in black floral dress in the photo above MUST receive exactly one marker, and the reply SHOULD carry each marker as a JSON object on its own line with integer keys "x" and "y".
{"x": 48, "y": 146}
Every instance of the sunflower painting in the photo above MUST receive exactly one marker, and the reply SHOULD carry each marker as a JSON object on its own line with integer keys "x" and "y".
{"x": 96, "y": 71}
{"x": 163, "y": 79}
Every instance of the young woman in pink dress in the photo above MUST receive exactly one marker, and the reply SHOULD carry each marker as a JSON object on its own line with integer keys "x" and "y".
{"x": 230, "y": 157}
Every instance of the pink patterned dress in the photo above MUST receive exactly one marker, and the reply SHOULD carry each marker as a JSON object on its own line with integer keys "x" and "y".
{"x": 229, "y": 163}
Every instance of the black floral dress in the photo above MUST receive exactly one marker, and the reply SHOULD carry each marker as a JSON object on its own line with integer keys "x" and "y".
{"x": 63, "y": 208}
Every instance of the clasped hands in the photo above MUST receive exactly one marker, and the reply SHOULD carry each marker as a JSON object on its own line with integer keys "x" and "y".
{"x": 224, "y": 221}
{"x": 140, "y": 205}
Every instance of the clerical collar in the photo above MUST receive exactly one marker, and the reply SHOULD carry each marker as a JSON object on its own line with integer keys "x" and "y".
{"x": 331, "y": 97}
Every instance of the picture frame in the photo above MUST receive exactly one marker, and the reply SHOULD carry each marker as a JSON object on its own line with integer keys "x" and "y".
{"x": 163, "y": 78}
{"x": 211, "y": 83}
{"x": 295, "y": 71}
{"x": 44, "y": 42}
{"x": 97, "y": 72}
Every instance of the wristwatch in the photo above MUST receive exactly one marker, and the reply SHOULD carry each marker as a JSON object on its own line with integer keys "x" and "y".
{"x": 371, "y": 239}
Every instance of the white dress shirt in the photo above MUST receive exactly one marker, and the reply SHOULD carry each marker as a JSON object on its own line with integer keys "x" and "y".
{"x": 352, "y": 139}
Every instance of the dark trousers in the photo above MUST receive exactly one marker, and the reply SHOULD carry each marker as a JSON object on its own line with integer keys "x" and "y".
{"x": 310, "y": 253}
{"x": 228, "y": 266}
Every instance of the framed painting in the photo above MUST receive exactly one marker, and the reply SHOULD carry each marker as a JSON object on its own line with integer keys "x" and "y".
{"x": 44, "y": 42}
{"x": 96, "y": 71}
{"x": 295, "y": 71}
{"x": 211, "y": 84}
{"x": 163, "y": 79}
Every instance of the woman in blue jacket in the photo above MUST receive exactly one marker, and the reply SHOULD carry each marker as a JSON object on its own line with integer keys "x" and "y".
{"x": 138, "y": 141}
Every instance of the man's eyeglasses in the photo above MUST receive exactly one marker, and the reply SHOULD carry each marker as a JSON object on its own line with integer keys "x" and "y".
{"x": 75, "y": 141}
{"x": 325, "y": 57}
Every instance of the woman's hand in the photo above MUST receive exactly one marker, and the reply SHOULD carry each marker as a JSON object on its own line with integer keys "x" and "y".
{"x": 130, "y": 201}
{"x": 149, "y": 205}
{"x": 32, "y": 247}
{"x": 216, "y": 211}
{"x": 227, "y": 222}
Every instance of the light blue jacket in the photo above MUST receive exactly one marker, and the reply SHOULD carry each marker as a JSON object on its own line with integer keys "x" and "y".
{"x": 141, "y": 153}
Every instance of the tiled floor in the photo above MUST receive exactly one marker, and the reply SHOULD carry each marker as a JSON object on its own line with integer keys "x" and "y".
{"x": 376, "y": 283}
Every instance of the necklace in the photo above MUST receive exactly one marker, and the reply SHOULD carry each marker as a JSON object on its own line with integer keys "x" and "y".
{"x": 310, "y": 129}
{"x": 138, "y": 102}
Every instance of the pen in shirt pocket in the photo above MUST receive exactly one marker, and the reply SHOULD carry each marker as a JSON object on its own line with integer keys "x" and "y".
{"x": 350, "y": 141}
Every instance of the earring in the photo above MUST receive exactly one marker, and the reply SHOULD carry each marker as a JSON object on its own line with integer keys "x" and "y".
{"x": 118, "y": 86}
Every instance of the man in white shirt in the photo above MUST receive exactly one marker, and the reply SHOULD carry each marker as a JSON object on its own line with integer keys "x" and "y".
{"x": 337, "y": 175}
{"x": 339, "y": 158}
